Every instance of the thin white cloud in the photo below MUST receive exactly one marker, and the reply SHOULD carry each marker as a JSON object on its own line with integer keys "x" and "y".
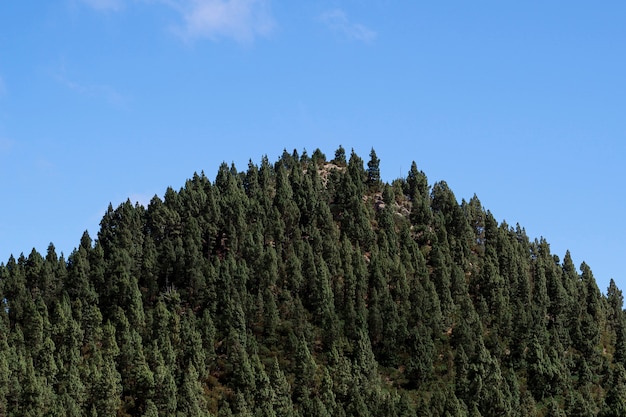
{"x": 105, "y": 5}
{"x": 99, "y": 91}
{"x": 241, "y": 20}
{"x": 338, "y": 21}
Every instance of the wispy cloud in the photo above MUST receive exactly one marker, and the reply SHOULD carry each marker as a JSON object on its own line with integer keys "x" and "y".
{"x": 241, "y": 20}
{"x": 338, "y": 21}
{"x": 105, "y": 5}
{"x": 108, "y": 93}
{"x": 98, "y": 91}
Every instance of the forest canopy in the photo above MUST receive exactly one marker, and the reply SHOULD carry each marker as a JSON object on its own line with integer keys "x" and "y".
{"x": 308, "y": 287}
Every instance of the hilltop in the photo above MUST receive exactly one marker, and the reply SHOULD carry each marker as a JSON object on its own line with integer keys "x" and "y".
{"x": 308, "y": 287}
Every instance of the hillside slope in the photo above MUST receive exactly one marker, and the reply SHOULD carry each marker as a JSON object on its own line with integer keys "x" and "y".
{"x": 308, "y": 287}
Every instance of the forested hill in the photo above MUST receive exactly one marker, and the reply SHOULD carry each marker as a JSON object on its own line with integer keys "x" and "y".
{"x": 308, "y": 287}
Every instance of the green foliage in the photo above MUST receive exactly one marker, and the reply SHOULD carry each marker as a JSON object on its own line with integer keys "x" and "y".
{"x": 373, "y": 171}
{"x": 304, "y": 287}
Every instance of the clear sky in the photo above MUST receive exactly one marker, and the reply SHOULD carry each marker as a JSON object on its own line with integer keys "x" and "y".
{"x": 522, "y": 103}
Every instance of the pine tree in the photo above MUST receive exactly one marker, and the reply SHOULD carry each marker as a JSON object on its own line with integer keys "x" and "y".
{"x": 191, "y": 397}
{"x": 5, "y": 355}
{"x": 78, "y": 284}
{"x": 421, "y": 350}
{"x": 373, "y": 171}
{"x": 305, "y": 368}
{"x": 264, "y": 395}
{"x": 243, "y": 374}
{"x": 137, "y": 378}
{"x": 340, "y": 157}
{"x": 282, "y": 404}
{"x": 165, "y": 390}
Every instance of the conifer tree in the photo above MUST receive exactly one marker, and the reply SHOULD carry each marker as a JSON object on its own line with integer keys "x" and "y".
{"x": 282, "y": 404}
{"x": 373, "y": 171}
{"x": 305, "y": 368}
{"x": 264, "y": 395}
{"x": 107, "y": 386}
{"x": 243, "y": 373}
{"x": 340, "y": 157}
{"x": 5, "y": 354}
{"x": 191, "y": 398}
{"x": 165, "y": 389}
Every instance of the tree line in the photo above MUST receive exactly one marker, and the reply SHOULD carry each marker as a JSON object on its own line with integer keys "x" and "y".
{"x": 308, "y": 287}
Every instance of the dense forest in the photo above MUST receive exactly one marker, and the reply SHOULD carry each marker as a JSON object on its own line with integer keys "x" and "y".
{"x": 308, "y": 287}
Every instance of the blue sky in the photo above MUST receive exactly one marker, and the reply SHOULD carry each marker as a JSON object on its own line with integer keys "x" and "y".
{"x": 522, "y": 103}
